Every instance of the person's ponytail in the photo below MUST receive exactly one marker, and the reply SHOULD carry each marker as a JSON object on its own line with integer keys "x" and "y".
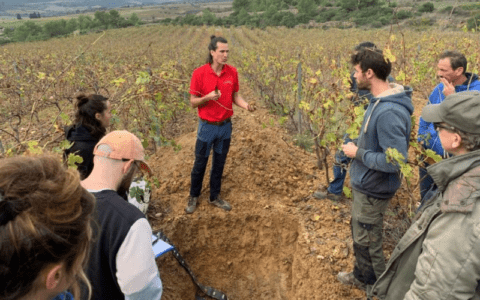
{"x": 81, "y": 101}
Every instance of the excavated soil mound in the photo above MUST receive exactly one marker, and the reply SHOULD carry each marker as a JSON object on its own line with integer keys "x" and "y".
{"x": 277, "y": 242}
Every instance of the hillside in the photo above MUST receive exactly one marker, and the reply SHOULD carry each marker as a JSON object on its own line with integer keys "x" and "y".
{"x": 418, "y": 15}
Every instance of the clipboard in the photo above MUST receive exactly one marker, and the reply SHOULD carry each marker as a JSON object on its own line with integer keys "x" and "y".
{"x": 159, "y": 246}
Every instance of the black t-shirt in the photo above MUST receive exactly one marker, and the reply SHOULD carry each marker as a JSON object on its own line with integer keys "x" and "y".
{"x": 114, "y": 217}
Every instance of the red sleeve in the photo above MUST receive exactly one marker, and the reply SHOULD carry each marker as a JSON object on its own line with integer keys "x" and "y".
{"x": 195, "y": 85}
{"x": 236, "y": 86}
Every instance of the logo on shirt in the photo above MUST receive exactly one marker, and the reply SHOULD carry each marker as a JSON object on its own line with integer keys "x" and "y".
{"x": 228, "y": 82}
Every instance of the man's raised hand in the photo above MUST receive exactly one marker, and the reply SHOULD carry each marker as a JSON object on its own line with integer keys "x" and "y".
{"x": 448, "y": 87}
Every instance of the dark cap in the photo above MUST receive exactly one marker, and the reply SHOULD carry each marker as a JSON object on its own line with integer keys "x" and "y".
{"x": 460, "y": 110}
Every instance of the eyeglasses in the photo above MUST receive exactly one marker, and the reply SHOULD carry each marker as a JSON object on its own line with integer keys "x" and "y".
{"x": 437, "y": 127}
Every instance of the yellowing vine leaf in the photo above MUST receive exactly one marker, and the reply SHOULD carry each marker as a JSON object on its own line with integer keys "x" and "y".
{"x": 388, "y": 54}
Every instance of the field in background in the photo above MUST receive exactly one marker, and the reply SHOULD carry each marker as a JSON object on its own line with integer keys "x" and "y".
{"x": 446, "y": 14}
{"x": 148, "y": 14}
{"x": 153, "y": 66}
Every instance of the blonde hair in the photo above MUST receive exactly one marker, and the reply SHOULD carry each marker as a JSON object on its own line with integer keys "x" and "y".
{"x": 45, "y": 218}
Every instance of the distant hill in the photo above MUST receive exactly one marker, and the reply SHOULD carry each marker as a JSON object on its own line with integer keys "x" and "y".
{"x": 11, "y": 8}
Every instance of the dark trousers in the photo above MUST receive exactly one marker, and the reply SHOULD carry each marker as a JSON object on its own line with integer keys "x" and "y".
{"x": 208, "y": 137}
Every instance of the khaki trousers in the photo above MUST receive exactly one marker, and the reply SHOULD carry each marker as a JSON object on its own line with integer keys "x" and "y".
{"x": 367, "y": 233}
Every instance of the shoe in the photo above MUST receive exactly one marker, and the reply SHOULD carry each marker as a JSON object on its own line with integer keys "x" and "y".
{"x": 192, "y": 205}
{"x": 348, "y": 278}
{"x": 221, "y": 203}
{"x": 322, "y": 195}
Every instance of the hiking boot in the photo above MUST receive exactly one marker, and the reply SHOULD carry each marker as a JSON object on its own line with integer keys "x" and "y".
{"x": 348, "y": 278}
{"x": 192, "y": 205}
{"x": 221, "y": 203}
{"x": 320, "y": 195}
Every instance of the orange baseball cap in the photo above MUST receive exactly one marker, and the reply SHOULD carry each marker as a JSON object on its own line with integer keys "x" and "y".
{"x": 124, "y": 146}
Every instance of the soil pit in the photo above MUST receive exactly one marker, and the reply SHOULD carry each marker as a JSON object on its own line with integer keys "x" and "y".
{"x": 246, "y": 256}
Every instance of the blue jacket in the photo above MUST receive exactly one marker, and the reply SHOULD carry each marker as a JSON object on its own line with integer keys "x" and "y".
{"x": 427, "y": 135}
{"x": 387, "y": 124}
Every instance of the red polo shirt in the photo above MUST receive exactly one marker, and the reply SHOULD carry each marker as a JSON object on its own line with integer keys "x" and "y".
{"x": 205, "y": 80}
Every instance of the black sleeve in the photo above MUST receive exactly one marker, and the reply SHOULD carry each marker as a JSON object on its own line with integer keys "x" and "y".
{"x": 85, "y": 151}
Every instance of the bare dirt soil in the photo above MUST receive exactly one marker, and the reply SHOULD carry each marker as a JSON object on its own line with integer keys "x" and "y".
{"x": 277, "y": 242}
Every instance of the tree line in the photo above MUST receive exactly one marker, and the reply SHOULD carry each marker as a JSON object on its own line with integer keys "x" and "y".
{"x": 31, "y": 31}
{"x": 289, "y": 13}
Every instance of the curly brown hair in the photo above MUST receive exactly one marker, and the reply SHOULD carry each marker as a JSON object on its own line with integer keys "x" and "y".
{"x": 46, "y": 218}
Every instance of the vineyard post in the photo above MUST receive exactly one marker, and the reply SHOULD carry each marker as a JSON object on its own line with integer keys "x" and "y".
{"x": 159, "y": 142}
{"x": 299, "y": 96}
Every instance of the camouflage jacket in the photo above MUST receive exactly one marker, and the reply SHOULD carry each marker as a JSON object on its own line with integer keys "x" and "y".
{"x": 439, "y": 255}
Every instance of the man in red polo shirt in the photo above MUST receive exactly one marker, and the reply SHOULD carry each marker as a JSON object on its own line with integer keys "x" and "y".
{"x": 214, "y": 87}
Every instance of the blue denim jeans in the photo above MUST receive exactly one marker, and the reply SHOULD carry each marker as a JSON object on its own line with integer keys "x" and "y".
{"x": 208, "y": 137}
{"x": 339, "y": 173}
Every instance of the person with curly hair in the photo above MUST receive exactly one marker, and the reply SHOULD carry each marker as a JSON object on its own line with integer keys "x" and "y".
{"x": 45, "y": 230}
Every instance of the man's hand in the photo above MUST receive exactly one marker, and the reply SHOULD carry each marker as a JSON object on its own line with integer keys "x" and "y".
{"x": 350, "y": 149}
{"x": 213, "y": 95}
{"x": 448, "y": 87}
{"x": 251, "y": 106}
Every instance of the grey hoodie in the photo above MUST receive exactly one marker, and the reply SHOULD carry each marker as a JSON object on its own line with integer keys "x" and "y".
{"x": 387, "y": 124}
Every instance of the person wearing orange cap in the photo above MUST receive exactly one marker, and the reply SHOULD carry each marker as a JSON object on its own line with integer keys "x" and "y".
{"x": 439, "y": 255}
{"x": 122, "y": 262}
